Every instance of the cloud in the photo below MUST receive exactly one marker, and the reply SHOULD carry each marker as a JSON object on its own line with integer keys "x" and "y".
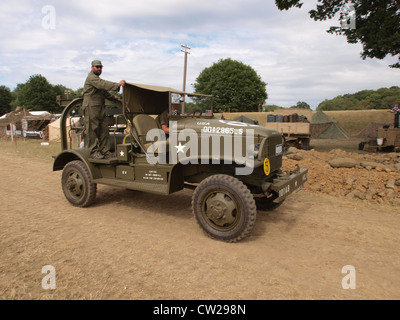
{"x": 140, "y": 42}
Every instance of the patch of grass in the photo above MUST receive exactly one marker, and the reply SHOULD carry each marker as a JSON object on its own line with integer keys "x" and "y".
{"x": 326, "y": 145}
{"x": 31, "y": 148}
{"x": 355, "y": 121}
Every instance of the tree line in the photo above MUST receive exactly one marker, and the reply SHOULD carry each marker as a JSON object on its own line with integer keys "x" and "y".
{"x": 35, "y": 94}
{"x": 227, "y": 80}
{"x": 234, "y": 85}
{"x": 383, "y": 98}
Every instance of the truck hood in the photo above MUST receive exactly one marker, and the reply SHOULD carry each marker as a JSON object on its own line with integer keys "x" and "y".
{"x": 224, "y": 127}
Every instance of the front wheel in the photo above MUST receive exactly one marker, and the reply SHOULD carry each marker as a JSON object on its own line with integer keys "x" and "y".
{"x": 77, "y": 185}
{"x": 224, "y": 208}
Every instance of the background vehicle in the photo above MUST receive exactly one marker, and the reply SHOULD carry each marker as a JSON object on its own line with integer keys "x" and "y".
{"x": 388, "y": 138}
{"x": 295, "y": 127}
{"x": 233, "y": 167}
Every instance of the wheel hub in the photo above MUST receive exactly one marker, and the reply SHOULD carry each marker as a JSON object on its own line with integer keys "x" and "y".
{"x": 74, "y": 184}
{"x": 220, "y": 209}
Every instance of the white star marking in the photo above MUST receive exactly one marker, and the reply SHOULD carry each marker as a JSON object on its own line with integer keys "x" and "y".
{"x": 180, "y": 147}
{"x": 121, "y": 153}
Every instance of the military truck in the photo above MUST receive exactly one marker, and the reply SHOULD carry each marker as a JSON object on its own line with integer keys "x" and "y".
{"x": 294, "y": 125}
{"x": 388, "y": 138}
{"x": 234, "y": 168}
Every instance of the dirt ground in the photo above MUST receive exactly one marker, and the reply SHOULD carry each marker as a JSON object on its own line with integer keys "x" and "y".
{"x": 133, "y": 245}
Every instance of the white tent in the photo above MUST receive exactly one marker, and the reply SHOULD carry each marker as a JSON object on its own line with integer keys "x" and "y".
{"x": 54, "y": 129}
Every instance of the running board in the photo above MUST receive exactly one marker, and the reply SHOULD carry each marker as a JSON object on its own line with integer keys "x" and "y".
{"x": 135, "y": 185}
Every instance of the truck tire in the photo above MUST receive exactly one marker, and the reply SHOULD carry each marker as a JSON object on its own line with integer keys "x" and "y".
{"x": 77, "y": 185}
{"x": 361, "y": 145}
{"x": 224, "y": 208}
{"x": 306, "y": 144}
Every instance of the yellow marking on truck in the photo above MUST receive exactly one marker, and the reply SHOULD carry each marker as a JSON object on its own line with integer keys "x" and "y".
{"x": 267, "y": 167}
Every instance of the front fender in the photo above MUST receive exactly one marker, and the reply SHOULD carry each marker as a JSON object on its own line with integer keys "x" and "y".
{"x": 67, "y": 156}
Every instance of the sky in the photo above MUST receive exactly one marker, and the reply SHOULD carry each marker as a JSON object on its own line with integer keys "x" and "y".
{"x": 140, "y": 42}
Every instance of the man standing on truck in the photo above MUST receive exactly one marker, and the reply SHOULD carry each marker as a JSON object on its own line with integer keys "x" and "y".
{"x": 95, "y": 91}
{"x": 396, "y": 111}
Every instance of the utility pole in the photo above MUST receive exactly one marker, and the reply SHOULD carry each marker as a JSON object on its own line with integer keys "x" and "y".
{"x": 184, "y": 49}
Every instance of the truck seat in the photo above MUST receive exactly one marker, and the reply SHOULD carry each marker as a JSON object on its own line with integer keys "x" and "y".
{"x": 143, "y": 124}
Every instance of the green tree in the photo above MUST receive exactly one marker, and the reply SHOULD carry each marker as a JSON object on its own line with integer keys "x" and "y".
{"x": 67, "y": 93}
{"x": 271, "y": 107}
{"x": 37, "y": 94}
{"x": 301, "y": 105}
{"x": 363, "y": 94}
{"x": 383, "y": 98}
{"x": 377, "y": 24}
{"x": 233, "y": 84}
{"x": 17, "y": 93}
{"x": 78, "y": 93}
{"x": 5, "y": 100}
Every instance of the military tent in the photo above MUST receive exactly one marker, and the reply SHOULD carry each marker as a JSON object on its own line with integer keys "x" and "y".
{"x": 371, "y": 131}
{"x": 54, "y": 129}
{"x": 324, "y": 127}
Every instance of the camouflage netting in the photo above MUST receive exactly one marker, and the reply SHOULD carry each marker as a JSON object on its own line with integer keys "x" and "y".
{"x": 324, "y": 127}
{"x": 246, "y": 119}
{"x": 371, "y": 131}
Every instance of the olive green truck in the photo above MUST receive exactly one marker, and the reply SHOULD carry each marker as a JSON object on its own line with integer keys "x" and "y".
{"x": 234, "y": 168}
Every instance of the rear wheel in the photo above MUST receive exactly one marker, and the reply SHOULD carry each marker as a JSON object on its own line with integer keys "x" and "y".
{"x": 77, "y": 185}
{"x": 224, "y": 208}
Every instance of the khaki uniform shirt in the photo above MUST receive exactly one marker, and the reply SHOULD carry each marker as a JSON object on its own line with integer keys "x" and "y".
{"x": 163, "y": 118}
{"x": 95, "y": 90}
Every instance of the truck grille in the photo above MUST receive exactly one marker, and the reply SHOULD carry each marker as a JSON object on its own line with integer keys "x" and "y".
{"x": 271, "y": 147}
{"x": 275, "y": 146}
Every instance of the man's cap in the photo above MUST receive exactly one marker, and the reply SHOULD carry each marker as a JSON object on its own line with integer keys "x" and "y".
{"x": 96, "y": 63}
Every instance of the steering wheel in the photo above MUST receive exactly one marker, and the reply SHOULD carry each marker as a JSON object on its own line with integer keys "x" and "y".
{"x": 193, "y": 113}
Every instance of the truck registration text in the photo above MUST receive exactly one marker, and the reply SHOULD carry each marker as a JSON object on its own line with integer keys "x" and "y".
{"x": 222, "y": 130}
{"x": 284, "y": 191}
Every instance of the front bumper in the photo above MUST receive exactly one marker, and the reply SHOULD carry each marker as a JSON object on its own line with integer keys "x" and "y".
{"x": 288, "y": 182}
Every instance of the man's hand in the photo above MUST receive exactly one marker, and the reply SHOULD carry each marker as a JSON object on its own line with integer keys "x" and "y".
{"x": 122, "y": 83}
